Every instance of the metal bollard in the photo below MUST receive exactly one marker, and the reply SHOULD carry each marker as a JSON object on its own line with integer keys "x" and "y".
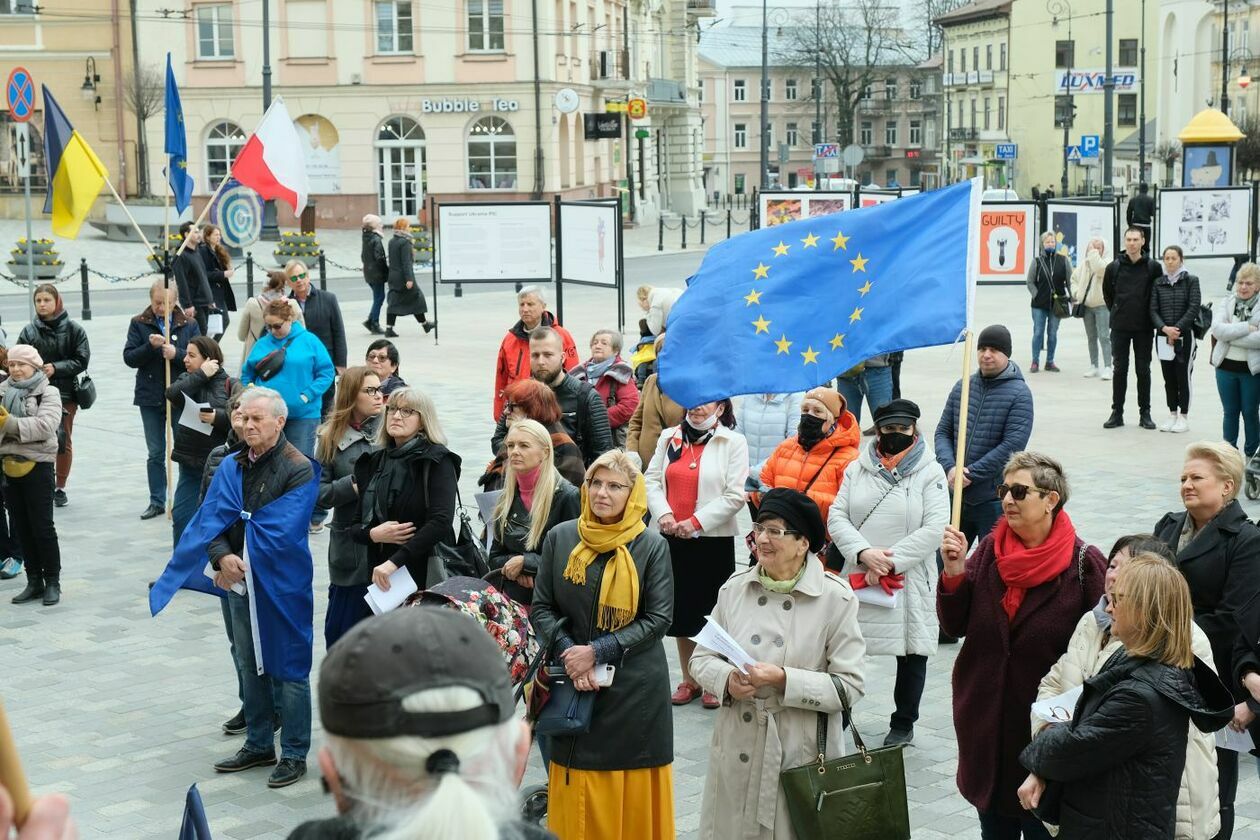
{"x": 323, "y": 272}
{"x": 728, "y": 222}
{"x": 249, "y": 274}
{"x": 660, "y": 233}
{"x": 682, "y": 223}
{"x": 83, "y": 280}
{"x": 702, "y": 223}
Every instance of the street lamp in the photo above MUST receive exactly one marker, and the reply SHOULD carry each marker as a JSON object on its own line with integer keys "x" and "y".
{"x": 91, "y": 79}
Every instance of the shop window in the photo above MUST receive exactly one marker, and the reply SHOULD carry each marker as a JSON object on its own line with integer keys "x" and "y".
{"x": 400, "y": 169}
{"x": 491, "y": 155}
{"x": 224, "y": 142}
{"x": 393, "y": 27}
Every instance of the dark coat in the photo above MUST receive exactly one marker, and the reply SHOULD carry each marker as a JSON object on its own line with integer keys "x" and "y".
{"x": 1140, "y": 211}
{"x": 280, "y": 470}
{"x": 1047, "y": 279}
{"x": 1121, "y": 757}
{"x": 347, "y": 560}
{"x": 432, "y": 511}
{"x": 401, "y": 300}
{"x": 509, "y": 541}
{"x": 214, "y": 459}
{"x": 1175, "y": 304}
{"x": 220, "y": 285}
{"x": 375, "y": 267}
{"x": 633, "y": 725}
{"x": 564, "y": 454}
{"x": 1001, "y": 664}
{"x": 321, "y": 314}
{"x": 147, "y": 360}
{"x": 62, "y": 343}
{"x": 1222, "y": 567}
{"x": 192, "y": 281}
{"x": 999, "y": 423}
{"x": 583, "y": 415}
{"x": 1127, "y": 292}
{"x": 191, "y": 446}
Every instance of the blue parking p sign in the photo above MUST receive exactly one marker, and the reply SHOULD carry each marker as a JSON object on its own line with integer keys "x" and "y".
{"x": 1089, "y": 145}
{"x": 1007, "y": 151}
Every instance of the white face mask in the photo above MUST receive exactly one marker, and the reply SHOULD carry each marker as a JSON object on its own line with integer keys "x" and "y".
{"x": 706, "y": 424}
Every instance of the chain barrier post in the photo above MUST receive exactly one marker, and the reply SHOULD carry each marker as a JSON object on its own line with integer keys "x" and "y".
{"x": 83, "y": 281}
{"x": 249, "y": 274}
{"x": 660, "y": 233}
{"x": 323, "y": 272}
{"x": 702, "y": 226}
{"x": 683, "y": 224}
{"x": 728, "y": 222}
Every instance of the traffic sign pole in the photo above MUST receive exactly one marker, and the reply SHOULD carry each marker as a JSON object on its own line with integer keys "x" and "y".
{"x": 19, "y": 94}
{"x": 30, "y": 244}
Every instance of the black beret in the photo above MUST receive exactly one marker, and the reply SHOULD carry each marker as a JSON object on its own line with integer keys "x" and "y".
{"x": 798, "y": 512}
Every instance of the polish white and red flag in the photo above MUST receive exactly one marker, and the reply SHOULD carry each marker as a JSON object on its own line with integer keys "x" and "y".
{"x": 272, "y": 163}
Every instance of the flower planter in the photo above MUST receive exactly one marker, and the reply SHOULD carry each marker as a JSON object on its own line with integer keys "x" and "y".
{"x": 43, "y": 253}
{"x": 422, "y": 244}
{"x": 297, "y": 246}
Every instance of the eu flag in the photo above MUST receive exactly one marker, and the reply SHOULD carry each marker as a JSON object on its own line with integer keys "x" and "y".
{"x": 791, "y": 306}
{"x": 176, "y": 144}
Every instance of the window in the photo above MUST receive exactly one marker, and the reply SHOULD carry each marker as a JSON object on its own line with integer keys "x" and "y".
{"x": 960, "y": 112}
{"x": 890, "y": 133}
{"x": 974, "y": 109}
{"x": 988, "y": 57}
{"x": 815, "y": 88}
{"x": 1064, "y": 54}
{"x": 400, "y": 169}
{"x": 1128, "y": 52}
{"x": 987, "y": 104}
{"x": 700, "y": 94}
{"x": 1002, "y": 56}
{"x": 949, "y": 68}
{"x": 741, "y": 90}
{"x": 393, "y": 26}
{"x": 1061, "y": 115}
{"x": 929, "y": 136}
{"x": 916, "y": 132}
{"x": 791, "y": 134}
{"x": 769, "y": 135}
{"x": 739, "y": 184}
{"x": 916, "y": 88}
{"x": 890, "y": 89}
{"x": 914, "y": 178}
{"x": 866, "y": 93}
{"x": 741, "y": 135}
{"x": 789, "y": 90}
{"x": 962, "y": 60}
{"x": 1001, "y": 126}
{"x": 485, "y": 25}
{"x": 491, "y": 155}
{"x": 975, "y": 58}
{"x": 1126, "y": 111}
{"x": 17, "y": 7}
{"x": 214, "y": 32}
{"x": 224, "y": 142}
{"x": 864, "y": 133}
{"x": 815, "y": 131}
{"x": 890, "y": 177}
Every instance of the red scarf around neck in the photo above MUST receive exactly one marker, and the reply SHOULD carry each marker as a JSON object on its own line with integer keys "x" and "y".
{"x": 1022, "y": 568}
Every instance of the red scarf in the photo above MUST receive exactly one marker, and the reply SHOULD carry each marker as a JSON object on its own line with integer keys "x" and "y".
{"x": 1022, "y": 568}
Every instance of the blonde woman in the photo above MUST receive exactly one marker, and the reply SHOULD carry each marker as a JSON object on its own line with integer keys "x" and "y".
{"x": 1236, "y": 357}
{"x": 252, "y": 324}
{"x": 535, "y": 499}
{"x": 1087, "y": 292}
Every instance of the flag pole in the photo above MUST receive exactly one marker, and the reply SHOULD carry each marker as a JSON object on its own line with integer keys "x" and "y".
{"x": 130, "y": 218}
{"x": 205, "y": 211}
{"x": 11, "y": 775}
{"x": 166, "y": 364}
{"x": 960, "y": 449}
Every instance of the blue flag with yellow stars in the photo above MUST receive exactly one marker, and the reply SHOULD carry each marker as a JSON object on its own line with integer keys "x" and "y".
{"x": 791, "y": 306}
{"x": 176, "y": 144}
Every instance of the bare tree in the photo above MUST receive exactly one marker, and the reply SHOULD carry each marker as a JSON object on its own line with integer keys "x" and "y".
{"x": 929, "y": 11}
{"x": 1168, "y": 153}
{"x": 1247, "y": 151}
{"x": 145, "y": 97}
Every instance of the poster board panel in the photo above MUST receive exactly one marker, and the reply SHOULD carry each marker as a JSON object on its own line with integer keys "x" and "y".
{"x": 1008, "y": 240}
{"x": 870, "y": 198}
{"x": 588, "y": 242}
{"x": 1075, "y": 223}
{"x": 780, "y": 207}
{"x": 1204, "y": 222}
{"x": 484, "y": 242}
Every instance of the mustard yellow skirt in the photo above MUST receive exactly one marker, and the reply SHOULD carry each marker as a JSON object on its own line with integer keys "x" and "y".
{"x": 611, "y": 804}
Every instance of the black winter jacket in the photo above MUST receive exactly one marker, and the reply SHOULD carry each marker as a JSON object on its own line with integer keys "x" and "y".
{"x": 1121, "y": 758}
{"x": 138, "y": 353}
{"x": 583, "y": 414}
{"x": 1047, "y": 279}
{"x": 1175, "y": 304}
{"x": 191, "y": 446}
{"x": 347, "y": 560}
{"x": 375, "y": 267}
{"x": 62, "y": 343}
{"x": 566, "y": 504}
{"x": 220, "y": 285}
{"x": 194, "y": 285}
{"x": 321, "y": 313}
{"x": 1140, "y": 210}
{"x": 214, "y": 459}
{"x": 280, "y": 469}
{"x": 1127, "y": 292}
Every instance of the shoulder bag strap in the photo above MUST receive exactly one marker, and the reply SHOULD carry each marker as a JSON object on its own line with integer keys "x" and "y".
{"x": 875, "y": 507}
{"x": 848, "y": 718}
{"x": 820, "y": 469}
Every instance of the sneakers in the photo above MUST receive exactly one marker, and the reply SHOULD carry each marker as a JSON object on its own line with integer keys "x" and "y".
{"x": 288, "y": 771}
{"x": 59, "y": 498}
{"x": 1091, "y": 373}
{"x": 1106, "y": 373}
{"x": 1180, "y": 425}
{"x": 1036, "y": 366}
{"x": 10, "y": 568}
{"x": 1114, "y": 421}
{"x": 897, "y": 737}
{"x": 1167, "y": 425}
{"x": 685, "y": 693}
{"x": 245, "y": 759}
{"x": 1052, "y": 367}
{"x": 1145, "y": 421}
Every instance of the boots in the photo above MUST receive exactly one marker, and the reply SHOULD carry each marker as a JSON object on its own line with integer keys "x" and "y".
{"x": 34, "y": 589}
{"x": 52, "y": 591}
{"x": 428, "y": 326}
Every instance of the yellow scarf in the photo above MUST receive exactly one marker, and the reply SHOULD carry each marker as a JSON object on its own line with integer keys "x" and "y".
{"x": 619, "y": 589}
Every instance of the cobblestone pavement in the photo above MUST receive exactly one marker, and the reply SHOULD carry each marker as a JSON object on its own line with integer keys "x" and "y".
{"x": 121, "y": 711}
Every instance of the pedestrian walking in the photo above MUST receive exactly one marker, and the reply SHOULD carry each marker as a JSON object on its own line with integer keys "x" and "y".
{"x": 1174, "y": 309}
{"x": 607, "y": 577}
{"x": 219, "y": 272}
{"x": 405, "y": 295}
{"x": 870, "y": 380}
{"x": 321, "y": 316}
{"x": 156, "y": 362}
{"x": 1218, "y": 552}
{"x": 695, "y": 489}
{"x": 195, "y": 294}
{"x": 30, "y": 415}
{"x": 63, "y": 345}
{"x": 383, "y": 359}
{"x": 1087, "y": 294}
{"x": 1140, "y": 212}
{"x": 613, "y": 379}
{"x": 252, "y": 324}
{"x": 1236, "y": 357}
{"x": 805, "y": 637}
{"x": 886, "y": 522}
{"x": 513, "y": 361}
{"x": 1016, "y": 600}
{"x": 1127, "y": 285}
{"x": 766, "y": 420}
{"x": 532, "y": 400}
{"x": 375, "y": 269}
{"x": 1048, "y": 276}
{"x": 349, "y": 433}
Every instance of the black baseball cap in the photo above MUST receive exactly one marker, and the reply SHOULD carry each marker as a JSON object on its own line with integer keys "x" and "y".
{"x": 370, "y": 671}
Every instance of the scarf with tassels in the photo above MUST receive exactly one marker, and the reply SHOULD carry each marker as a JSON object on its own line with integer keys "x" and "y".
{"x": 619, "y": 588}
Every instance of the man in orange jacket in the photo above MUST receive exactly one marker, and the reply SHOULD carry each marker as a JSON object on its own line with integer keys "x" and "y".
{"x": 513, "y": 362}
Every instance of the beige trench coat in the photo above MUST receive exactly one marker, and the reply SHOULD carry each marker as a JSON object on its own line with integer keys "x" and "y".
{"x": 811, "y": 633}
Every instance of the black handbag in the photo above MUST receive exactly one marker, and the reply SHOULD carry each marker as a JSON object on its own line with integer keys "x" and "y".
{"x": 861, "y": 796}
{"x": 1061, "y": 307}
{"x": 1202, "y": 320}
{"x": 1078, "y": 309}
{"x": 84, "y": 391}
{"x": 466, "y": 557}
{"x": 268, "y": 366}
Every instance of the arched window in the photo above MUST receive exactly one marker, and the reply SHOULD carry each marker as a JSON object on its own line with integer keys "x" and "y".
{"x": 400, "y": 169}
{"x": 224, "y": 142}
{"x": 491, "y": 155}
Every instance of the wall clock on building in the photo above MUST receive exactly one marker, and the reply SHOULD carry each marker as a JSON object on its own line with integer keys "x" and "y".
{"x": 567, "y": 100}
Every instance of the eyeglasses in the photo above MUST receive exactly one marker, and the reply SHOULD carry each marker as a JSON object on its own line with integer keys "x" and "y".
{"x": 372, "y": 391}
{"x": 296, "y": 277}
{"x": 377, "y": 357}
{"x": 1018, "y": 492}
{"x": 275, "y": 327}
{"x": 401, "y": 412}
{"x": 773, "y": 533}
{"x": 595, "y": 485}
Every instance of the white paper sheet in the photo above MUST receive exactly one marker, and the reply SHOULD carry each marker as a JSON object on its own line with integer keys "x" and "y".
{"x": 877, "y": 597}
{"x": 1163, "y": 350}
{"x": 238, "y": 588}
{"x": 1055, "y": 709}
{"x": 400, "y": 586}
{"x": 485, "y": 506}
{"x": 214, "y": 323}
{"x": 719, "y": 641}
{"x": 1228, "y": 739}
{"x": 189, "y": 418}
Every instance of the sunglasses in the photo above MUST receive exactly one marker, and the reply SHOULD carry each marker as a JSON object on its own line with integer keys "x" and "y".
{"x": 276, "y": 327}
{"x": 1018, "y": 492}
{"x": 297, "y": 277}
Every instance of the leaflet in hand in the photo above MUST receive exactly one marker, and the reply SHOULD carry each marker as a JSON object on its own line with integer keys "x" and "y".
{"x": 1058, "y": 709}
{"x": 1164, "y": 350}
{"x": 400, "y": 586}
{"x": 190, "y": 417}
{"x": 719, "y": 641}
{"x": 238, "y": 587}
{"x": 1228, "y": 739}
{"x": 877, "y": 597}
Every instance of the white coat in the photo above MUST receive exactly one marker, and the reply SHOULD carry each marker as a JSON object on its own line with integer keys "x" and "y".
{"x": 1198, "y": 812}
{"x": 909, "y": 520}
{"x": 723, "y": 469}
{"x": 1229, "y": 332}
{"x": 660, "y": 301}
{"x": 812, "y": 633}
{"x": 766, "y": 420}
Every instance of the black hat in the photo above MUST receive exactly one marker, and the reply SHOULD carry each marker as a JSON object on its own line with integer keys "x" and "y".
{"x": 996, "y": 336}
{"x": 798, "y": 512}
{"x": 366, "y": 676}
{"x": 897, "y": 411}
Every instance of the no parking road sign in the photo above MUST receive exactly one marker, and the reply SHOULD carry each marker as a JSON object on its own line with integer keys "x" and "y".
{"x": 19, "y": 93}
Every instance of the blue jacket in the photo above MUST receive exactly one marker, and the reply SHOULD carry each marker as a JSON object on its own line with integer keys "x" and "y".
{"x": 147, "y": 360}
{"x": 768, "y": 422}
{"x": 308, "y": 370}
{"x": 999, "y": 423}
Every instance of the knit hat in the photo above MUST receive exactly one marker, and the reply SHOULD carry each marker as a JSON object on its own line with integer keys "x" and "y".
{"x": 996, "y": 336}
{"x": 829, "y": 397}
{"x": 26, "y": 353}
{"x": 898, "y": 411}
{"x": 797, "y": 511}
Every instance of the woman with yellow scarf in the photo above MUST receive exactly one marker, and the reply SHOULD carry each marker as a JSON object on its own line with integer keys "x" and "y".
{"x": 608, "y": 578}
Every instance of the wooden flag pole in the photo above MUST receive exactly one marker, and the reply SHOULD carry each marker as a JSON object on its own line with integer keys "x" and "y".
{"x": 960, "y": 449}
{"x": 205, "y": 211}
{"x": 130, "y": 218}
{"x": 11, "y": 775}
{"x": 166, "y": 363}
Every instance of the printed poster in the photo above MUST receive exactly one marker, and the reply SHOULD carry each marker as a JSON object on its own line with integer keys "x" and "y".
{"x": 1008, "y": 234}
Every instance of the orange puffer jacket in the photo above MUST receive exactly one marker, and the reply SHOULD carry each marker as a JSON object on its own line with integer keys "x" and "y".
{"x": 791, "y": 466}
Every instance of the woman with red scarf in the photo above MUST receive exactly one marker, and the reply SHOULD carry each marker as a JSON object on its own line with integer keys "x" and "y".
{"x": 1016, "y": 599}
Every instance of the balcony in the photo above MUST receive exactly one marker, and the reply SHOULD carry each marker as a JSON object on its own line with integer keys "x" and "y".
{"x": 666, "y": 92}
{"x": 877, "y": 151}
{"x": 964, "y": 134}
{"x": 701, "y": 8}
{"x": 610, "y": 66}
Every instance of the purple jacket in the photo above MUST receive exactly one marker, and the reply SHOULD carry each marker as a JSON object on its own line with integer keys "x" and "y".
{"x": 1002, "y": 662}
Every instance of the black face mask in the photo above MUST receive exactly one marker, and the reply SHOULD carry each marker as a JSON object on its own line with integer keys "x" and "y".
{"x": 810, "y": 430}
{"x": 894, "y": 443}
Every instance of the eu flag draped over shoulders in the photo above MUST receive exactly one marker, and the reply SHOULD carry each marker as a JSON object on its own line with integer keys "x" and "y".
{"x": 176, "y": 144}
{"x": 789, "y": 307}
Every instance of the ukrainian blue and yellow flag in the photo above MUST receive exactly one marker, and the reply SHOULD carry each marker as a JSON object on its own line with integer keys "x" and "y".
{"x": 790, "y": 307}
{"x": 75, "y": 173}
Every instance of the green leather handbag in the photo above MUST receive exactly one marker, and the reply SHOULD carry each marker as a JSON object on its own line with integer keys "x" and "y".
{"x": 861, "y": 796}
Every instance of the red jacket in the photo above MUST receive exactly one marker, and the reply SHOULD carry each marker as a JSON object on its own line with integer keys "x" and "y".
{"x": 513, "y": 362}
{"x": 616, "y": 383}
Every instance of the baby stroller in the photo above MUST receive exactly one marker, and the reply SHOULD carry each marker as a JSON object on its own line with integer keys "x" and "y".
{"x": 1251, "y": 477}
